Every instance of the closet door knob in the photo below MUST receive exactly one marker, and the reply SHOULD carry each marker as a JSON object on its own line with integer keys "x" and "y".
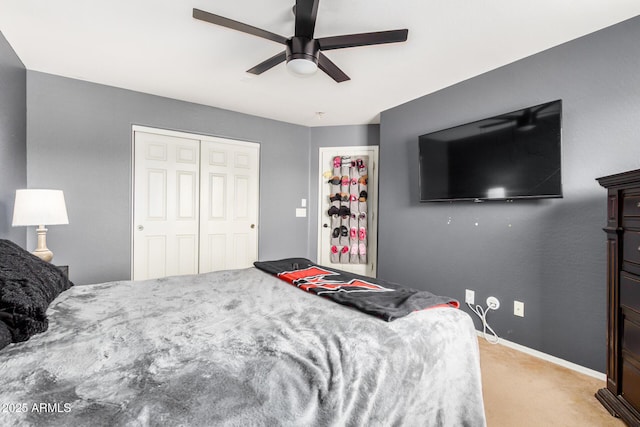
{"x": 253, "y": 226}
{"x": 325, "y": 225}
{"x": 140, "y": 227}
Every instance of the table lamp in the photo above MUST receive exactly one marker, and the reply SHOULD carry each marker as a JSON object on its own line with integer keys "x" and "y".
{"x": 40, "y": 207}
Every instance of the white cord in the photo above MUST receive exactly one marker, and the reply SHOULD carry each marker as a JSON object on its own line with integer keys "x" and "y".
{"x": 482, "y": 314}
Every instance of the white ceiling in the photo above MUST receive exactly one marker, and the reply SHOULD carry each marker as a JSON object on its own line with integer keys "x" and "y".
{"x": 156, "y": 47}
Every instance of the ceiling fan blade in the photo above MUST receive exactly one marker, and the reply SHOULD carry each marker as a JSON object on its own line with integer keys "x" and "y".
{"x": 540, "y": 109}
{"x": 497, "y": 123}
{"x": 326, "y": 65}
{"x": 269, "y": 63}
{"x": 363, "y": 39}
{"x": 306, "y": 13}
{"x": 238, "y": 26}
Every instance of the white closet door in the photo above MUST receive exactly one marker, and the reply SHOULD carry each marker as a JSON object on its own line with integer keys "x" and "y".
{"x": 229, "y": 204}
{"x": 166, "y": 205}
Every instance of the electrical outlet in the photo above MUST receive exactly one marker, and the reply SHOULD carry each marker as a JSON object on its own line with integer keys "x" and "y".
{"x": 493, "y": 303}
{"x": 469, "y": 296}
{"x": 518, "y": 308}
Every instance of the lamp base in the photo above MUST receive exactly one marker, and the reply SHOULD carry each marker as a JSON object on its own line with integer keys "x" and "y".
{"x": 45, "y": 255}
{"x": 42, "y": 251}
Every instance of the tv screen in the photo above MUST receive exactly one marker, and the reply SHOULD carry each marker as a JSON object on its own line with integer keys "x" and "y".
{"x": 510, "y": 156}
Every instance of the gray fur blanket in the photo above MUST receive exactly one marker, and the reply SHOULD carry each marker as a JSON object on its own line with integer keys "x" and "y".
{"x": 238, "y": 348}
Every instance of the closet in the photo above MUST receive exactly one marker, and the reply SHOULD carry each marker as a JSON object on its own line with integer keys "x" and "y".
{"x": 195, "y": 203}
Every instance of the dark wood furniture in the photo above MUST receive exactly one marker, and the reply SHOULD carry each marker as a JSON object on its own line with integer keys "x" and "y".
{"x": 622, "y": 394}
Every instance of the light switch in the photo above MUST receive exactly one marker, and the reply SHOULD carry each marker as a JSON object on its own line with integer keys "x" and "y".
{"x": 303, "y": 203}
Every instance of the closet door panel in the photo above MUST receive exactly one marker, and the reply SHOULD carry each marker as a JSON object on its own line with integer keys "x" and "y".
{"x": 242, "y": 197}
{"x": 187, "y": 254}
{"x": 228, "y": 230}
{"x": 216, "y": 252}
{"x": 155, "y": 251}
{"x": 217, "y": 201}
{"x": 166, "y": 206}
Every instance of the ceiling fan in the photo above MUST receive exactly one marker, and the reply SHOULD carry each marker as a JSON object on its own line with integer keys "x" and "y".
{"x": 524, "y": 121}
{"x": 303, "y": 53}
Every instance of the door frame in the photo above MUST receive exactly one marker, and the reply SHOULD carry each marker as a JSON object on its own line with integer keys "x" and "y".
{"x": 189, "y": 135}
{"x": 372, "y": 248}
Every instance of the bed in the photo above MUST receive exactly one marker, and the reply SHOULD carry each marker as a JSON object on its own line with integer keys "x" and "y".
{"x": 237, "y": 348}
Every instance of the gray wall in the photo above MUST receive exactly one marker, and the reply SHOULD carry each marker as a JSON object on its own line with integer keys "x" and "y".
{"x": 332, "y": 136}
{"x": 79, "y": 140}
{"x": 13, "y": 148}
{"x": 553, "y": 256}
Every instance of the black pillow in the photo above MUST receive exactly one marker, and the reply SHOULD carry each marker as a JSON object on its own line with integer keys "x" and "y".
{"x": 27, "y": 286}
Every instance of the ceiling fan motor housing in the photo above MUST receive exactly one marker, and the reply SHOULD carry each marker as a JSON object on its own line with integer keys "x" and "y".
{"x": 303, "y": 48}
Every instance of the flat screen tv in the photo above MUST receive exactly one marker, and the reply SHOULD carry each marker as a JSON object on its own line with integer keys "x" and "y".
{"x": 511, "y": 156}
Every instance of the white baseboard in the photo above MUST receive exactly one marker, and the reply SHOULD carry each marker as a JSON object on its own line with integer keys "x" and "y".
{"x": 549, "y": 358}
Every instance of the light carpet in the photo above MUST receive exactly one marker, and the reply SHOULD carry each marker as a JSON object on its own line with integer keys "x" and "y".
{"x": 523, "y": 390}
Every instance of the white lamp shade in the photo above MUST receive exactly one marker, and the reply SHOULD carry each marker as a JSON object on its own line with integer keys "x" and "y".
{"x": 39, "y": 207}
{"x": 302, "y": 67}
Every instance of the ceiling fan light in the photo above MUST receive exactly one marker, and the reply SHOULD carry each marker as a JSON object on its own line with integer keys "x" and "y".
{"x": 525, "y": 128}
{"x": 302, "y": 67}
